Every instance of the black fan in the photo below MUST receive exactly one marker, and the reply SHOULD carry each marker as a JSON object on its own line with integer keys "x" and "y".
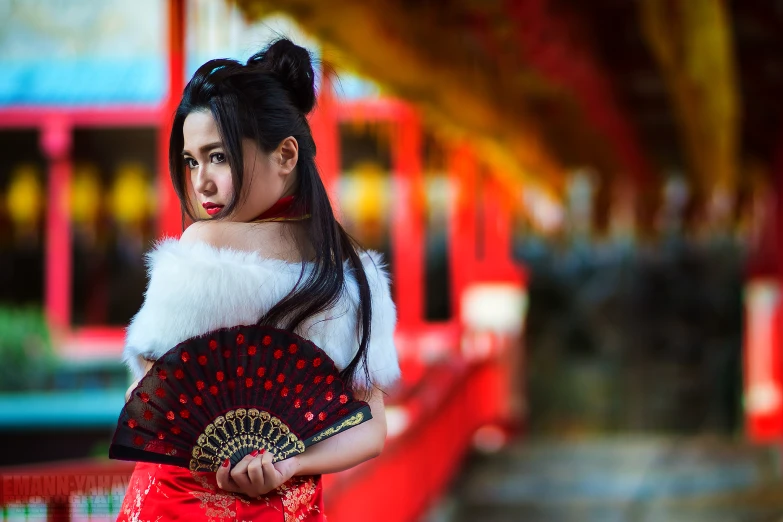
{"x": 224, "y": 394}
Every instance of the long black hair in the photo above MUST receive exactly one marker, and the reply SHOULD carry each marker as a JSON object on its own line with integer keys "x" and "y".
{"x": 267, "y": 100}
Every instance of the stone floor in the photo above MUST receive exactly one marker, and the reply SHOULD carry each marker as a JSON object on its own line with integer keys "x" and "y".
{"x": 644, "y": 479}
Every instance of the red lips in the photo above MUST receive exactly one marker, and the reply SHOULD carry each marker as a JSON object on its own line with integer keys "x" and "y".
{"x": 212, "y": 208}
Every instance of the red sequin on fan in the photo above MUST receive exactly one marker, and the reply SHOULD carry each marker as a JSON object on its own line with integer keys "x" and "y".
{"x": 220, "y": 376}
{"x": 231, "y": 385}
{"x": 343, "y": 398}
{"x": 319, "y": 426}
{"x": 202, "y": 360}
{"x": 185, "y": 356}
{"x": 317, "y": 362}
{"x": 198, "y": 400}
{"x": 179, "y": 374}
{"x": 226, "y": 353}
{"x": 284, "y": 392}
{"x": 292, "y": 348}
{"x": 343, "y": 411}
{"x": 213, "y": 390}
{"x": 183, "y": 398}
{"x": 170, "y": 415}
{"x": 240, "y": 339}
{"x": 322, "y": 415}
{"x": 251, "y": 350}
{"x": 329, "y": 395}
{"x": 261, "y": 371}
{"x": 138, "y": 440}
{"x": 329, "y": 379}
{"x": 160, "y": 392}
{"x": 132, "y": 423}
{"x": 176, "y": 430}
{"x": 248, "y": 383}
{"x": 310, "y": 401}
{"x": 299, "y": 388}
{"x": 280, "y": 377}
{"x": 162, "y": 374}
{"x": 309, "y": 415}
{"x": 144, "y": 396}
{"x": 240, "y": 371}
{"x": 267, "y": 340}
{"x": 268, "y": 385}
{"x": 213, "y": 344}
{"x": 200, "y": 385}
{"x": 161, "y": 435}
{"x": 300, "y": 364}
{"x": 278, "y": 353}
{"x": 298, "y": 403}
{"x": 184, "y": 414}
{"x": 318, "y": 379}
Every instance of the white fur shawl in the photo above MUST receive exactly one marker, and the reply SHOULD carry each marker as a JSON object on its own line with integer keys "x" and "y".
{"x": 195, "y": 288}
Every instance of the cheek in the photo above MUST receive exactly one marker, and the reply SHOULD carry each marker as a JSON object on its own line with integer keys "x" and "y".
{"x": 225, "y": 186}
{"x": 223, "y": 182}
{"x": 265, "y": 187}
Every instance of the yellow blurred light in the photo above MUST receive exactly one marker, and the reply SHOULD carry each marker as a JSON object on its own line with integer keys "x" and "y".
{"x": 25, "y": 195}
{"x": 129, "y": 197}
{"x": 369, "y": 199}
{"x": 85, "y": 194}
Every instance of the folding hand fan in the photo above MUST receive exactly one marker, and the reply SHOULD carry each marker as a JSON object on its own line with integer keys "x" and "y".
{"x": 224, "y": 394}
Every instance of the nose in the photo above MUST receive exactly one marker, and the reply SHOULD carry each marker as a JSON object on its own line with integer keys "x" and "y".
{"x": 202, "y": 182}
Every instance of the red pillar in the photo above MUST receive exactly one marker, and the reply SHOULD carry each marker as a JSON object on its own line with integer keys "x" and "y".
{"x": 497, "y": 223}
{"x": 498, "y": 265}
{"x": 407, "y": 220}
{"x": 56, "y": 144}
{"x": 763, "y": 350}
{"x": 326, "y": 133}
{"x": 170, "y": 219}
{"x": 462, "y": 221}
{"x": 779, "y": 213}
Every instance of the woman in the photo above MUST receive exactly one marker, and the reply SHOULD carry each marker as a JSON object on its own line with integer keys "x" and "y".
{"x": 271, "y": 253}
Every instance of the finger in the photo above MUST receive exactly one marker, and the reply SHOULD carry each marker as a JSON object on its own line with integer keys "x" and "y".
{"x": 239, "y": 473}
{"x": 223, "y": 478}
{"x": 256, "y": 475}
{"x": 271, "y": 475}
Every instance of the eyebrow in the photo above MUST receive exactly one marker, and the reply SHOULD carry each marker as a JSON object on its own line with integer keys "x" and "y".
{"x": 205, "y": 148}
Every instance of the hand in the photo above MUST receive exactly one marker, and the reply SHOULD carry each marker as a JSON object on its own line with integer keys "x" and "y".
{"x": 256, "y": 475}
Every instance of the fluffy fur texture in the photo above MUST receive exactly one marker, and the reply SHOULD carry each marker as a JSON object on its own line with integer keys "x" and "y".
{"x": 195, "y": 288}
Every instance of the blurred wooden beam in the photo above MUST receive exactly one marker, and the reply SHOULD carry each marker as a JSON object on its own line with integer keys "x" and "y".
{"x": 693, "y": 44}
{"x": 421, "y": 52}
{"x": 552, "y": 43}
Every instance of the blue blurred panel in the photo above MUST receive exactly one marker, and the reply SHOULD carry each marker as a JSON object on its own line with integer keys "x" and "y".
{"x": 78, "y": 409}
{"x": 350, "y": 87}
{"x": 82, "y": 81}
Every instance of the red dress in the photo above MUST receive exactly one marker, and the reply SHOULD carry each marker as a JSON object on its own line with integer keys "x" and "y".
{"x": 157, "y": 492}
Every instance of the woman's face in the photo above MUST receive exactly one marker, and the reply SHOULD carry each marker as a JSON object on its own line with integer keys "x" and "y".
{"x": 267, "y": 177}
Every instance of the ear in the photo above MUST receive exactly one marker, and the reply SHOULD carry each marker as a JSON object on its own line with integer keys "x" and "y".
{"x": 287, "y": 154}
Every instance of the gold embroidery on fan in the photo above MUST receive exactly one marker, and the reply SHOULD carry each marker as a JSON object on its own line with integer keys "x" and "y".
{"x": 242, "y": 430}
{"x": 350, "y": 421}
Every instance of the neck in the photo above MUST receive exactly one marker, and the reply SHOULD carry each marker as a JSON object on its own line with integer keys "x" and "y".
{"x": 284, "y": 209}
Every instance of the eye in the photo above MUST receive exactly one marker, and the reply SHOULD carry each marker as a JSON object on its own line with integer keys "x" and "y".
{"x": 190, "y": 163}
{"x": 217, "y": 157}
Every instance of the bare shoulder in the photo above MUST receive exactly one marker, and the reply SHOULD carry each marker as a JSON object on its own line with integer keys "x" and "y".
{"x": 203, "y": 232}
{"x": 266, "y": 239}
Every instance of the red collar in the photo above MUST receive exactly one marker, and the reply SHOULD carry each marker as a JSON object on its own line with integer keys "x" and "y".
{"x": 284, "y": 209}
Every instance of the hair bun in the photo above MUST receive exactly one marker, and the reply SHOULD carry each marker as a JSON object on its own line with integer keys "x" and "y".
{"x": 293, "y": 67}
